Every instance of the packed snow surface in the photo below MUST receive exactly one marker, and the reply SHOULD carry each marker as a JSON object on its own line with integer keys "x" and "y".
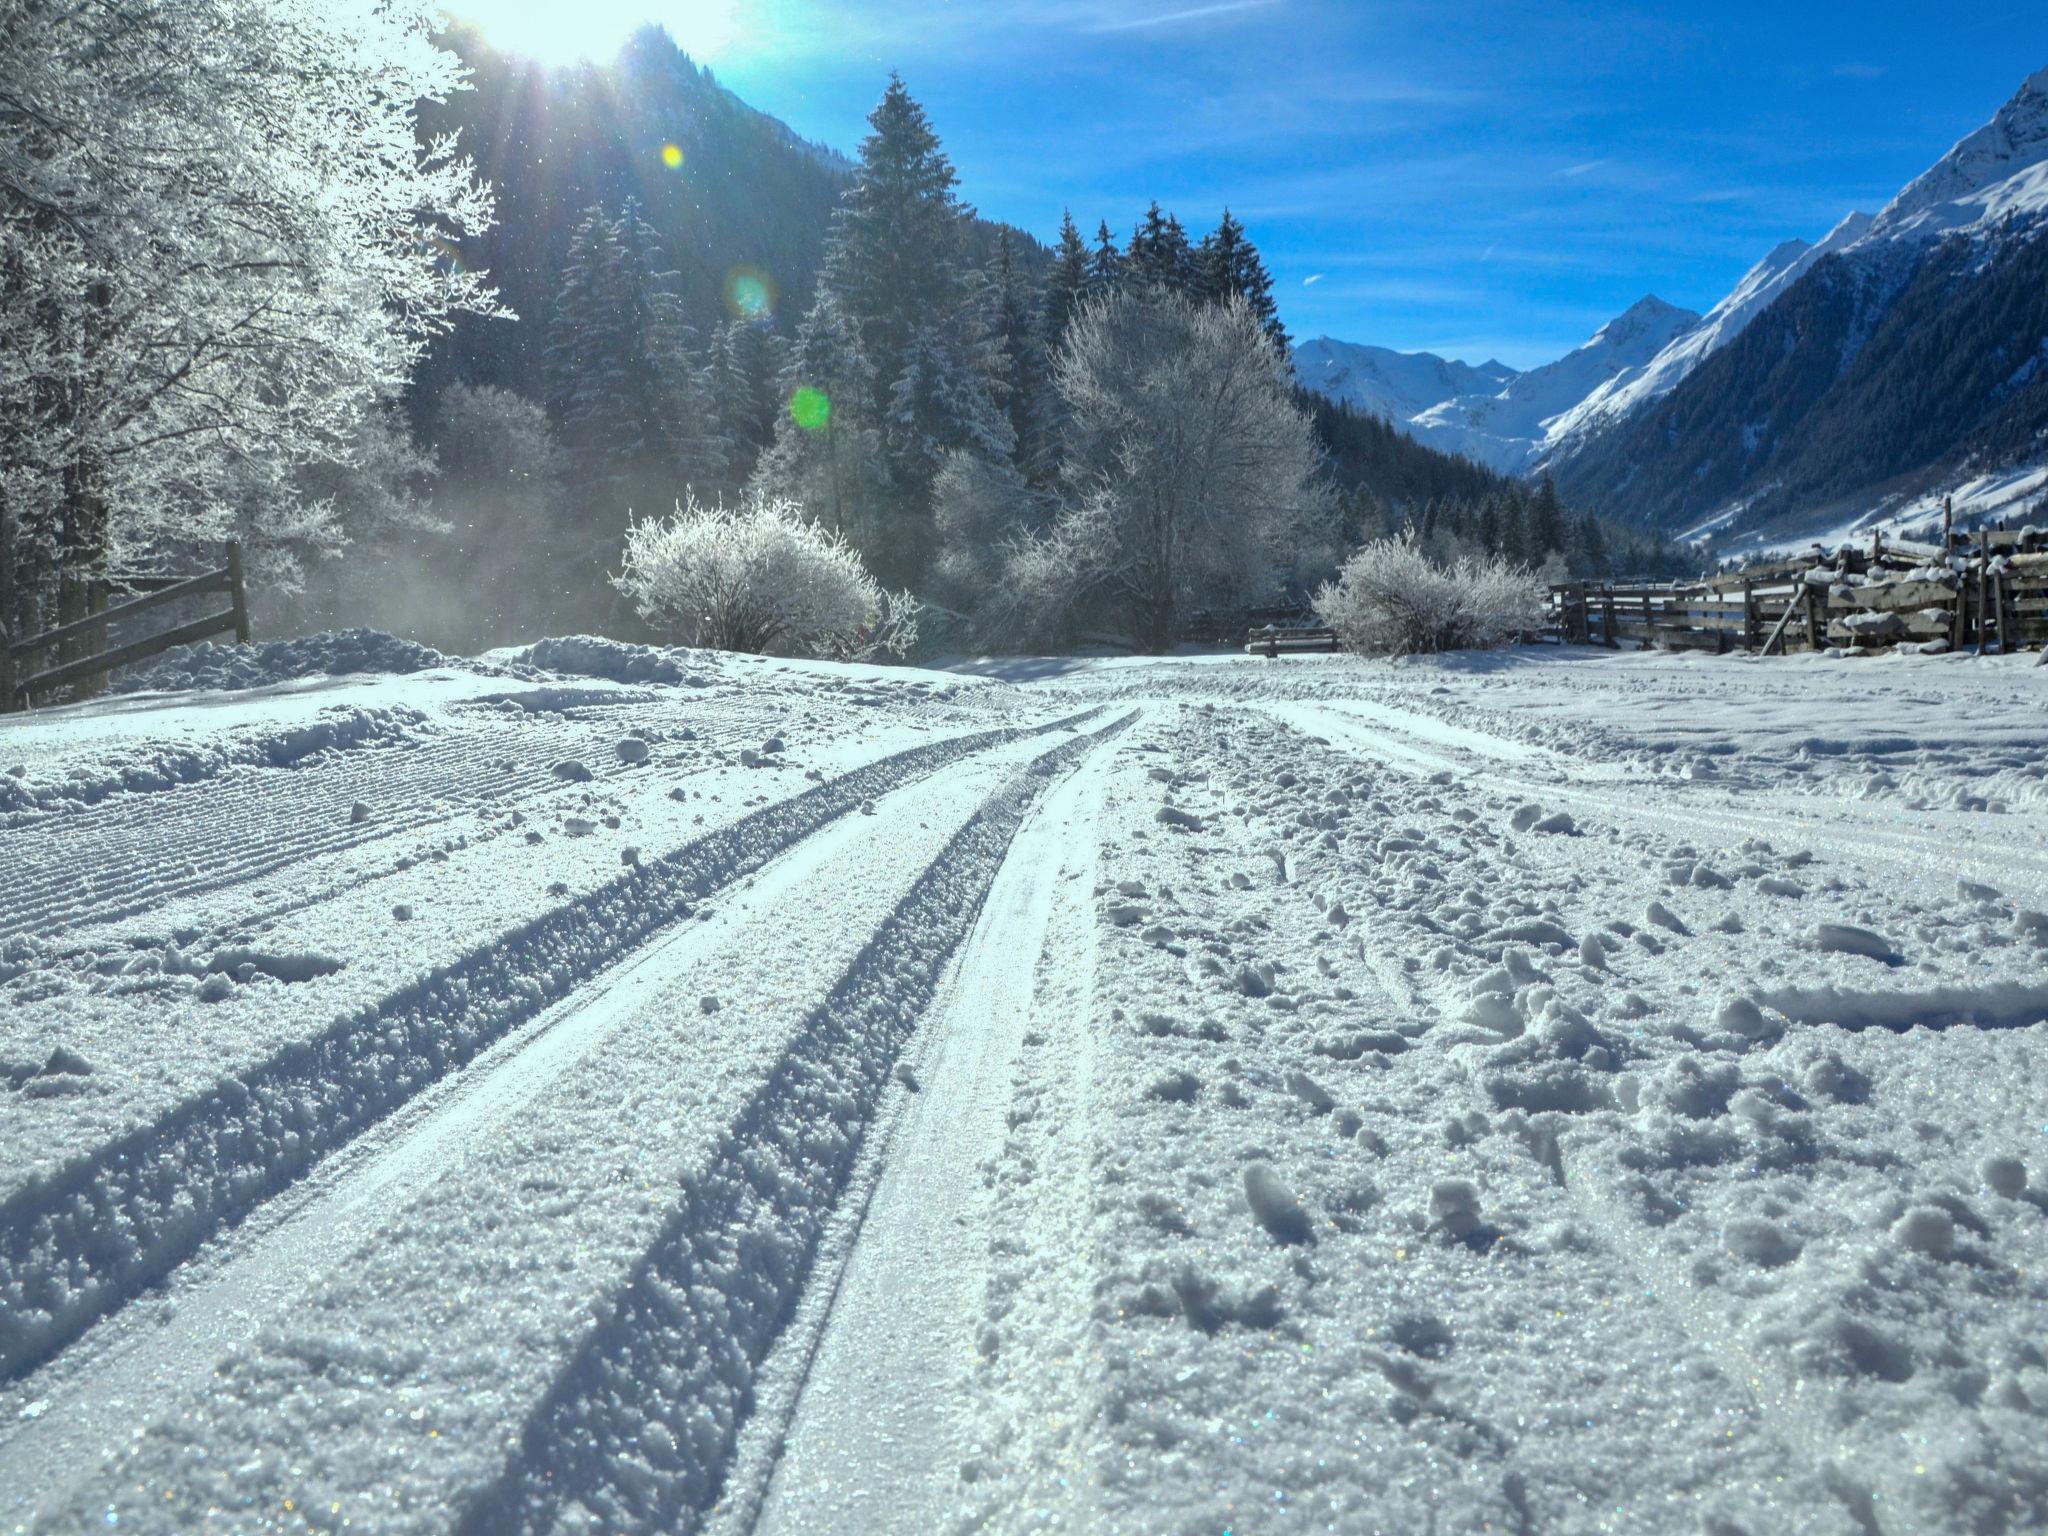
{"x": 610, "y": 1089}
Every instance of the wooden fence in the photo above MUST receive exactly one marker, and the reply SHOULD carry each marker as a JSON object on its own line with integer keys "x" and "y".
{"x": 1986, "y": 591}
{"x": 22, "y": 684}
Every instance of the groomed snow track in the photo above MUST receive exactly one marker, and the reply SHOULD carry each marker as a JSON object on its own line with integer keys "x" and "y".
{"x": 79, "y": 1243}
{"x": 674, "y": 1362}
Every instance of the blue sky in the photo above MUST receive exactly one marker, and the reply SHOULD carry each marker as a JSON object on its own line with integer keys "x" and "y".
{"x": 1482, "y": 180}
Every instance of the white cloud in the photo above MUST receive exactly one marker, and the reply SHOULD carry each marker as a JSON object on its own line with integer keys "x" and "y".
{"x": 1312, "y": 278}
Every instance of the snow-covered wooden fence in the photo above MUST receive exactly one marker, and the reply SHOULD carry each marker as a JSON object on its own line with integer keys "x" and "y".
{"x": 21, "y": 683}
{"x": 1986, "y": 591}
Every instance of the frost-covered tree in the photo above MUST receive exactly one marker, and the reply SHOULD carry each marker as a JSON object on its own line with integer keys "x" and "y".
{"x": 1191, "y": 475}
{"x": 981, "y": 507}
{"x": 224, "y": 248}
{"x": 1391, "y": 598}
{"x": 759, "y": 577}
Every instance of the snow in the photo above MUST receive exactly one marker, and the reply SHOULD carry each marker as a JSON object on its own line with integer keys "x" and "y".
{"x": 1546, "y": 1089}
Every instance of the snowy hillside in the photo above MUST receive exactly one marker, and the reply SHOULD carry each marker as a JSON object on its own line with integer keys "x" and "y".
{"x": 1760, "y": 286}
{"x": 632, "y": 1091}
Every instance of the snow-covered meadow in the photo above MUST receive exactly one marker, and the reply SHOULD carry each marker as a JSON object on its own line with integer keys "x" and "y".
{"x": 596, "y": 1089}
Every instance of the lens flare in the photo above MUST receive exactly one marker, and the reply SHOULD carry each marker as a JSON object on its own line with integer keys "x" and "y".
{"x": 749, "y": 295}
{"x": 672, "y": 156}
{"x": 810, "y": 408}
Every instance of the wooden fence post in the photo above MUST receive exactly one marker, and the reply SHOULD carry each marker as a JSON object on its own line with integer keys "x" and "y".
{"x": 236, "y": 595}
{"x": 1748, "y": 614}
{"x": 1816, "y": 628}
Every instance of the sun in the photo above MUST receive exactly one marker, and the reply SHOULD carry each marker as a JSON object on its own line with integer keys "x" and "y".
{"x": 551, "y": 32}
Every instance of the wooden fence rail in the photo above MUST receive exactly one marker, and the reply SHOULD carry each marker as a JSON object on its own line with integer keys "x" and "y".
{"x": 1989, "y": 593}
{"x": 21, "y": 683}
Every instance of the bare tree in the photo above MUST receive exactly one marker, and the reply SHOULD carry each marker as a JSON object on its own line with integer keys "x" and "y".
{"x": 1190, "y": 474}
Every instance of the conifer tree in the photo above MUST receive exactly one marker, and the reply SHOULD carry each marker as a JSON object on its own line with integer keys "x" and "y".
{"x": 895, "y": 254}
{"x": 1069, "y": 283}
{"x": 1022, "y": 377}
{"x": 827, "y": 455}
{"x": 632, "y": 400}
{"x": 1546, "y": 522}
{"x": 745, "y": 391}
{"x": 1228, "y": 263}
{"x": 1158, "y": 253}
{"x": 1106, "y": 265}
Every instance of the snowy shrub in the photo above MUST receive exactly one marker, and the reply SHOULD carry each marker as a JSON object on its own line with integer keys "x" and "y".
{"x": 758, "y": 577}
{"x": 1391, "y": 598}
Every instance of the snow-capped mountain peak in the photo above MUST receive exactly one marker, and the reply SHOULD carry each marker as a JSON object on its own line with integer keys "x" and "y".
{"x": 1999, "y": 169}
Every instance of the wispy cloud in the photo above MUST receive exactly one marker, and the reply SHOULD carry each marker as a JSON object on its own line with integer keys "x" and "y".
{"x": 1584, "y": 167}
{"x": 1860, "y": 71}
{"x": 1312, "y": 279}
{"x": 1175, "y": 18}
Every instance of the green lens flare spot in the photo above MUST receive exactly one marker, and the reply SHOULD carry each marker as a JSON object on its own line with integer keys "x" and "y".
{"x": 810, "y": 408}
{"x": 748, "y": 295}
{"x": 672, "y": 156}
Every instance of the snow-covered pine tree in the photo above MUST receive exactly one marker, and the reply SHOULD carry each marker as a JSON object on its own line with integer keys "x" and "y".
{"x": 1069, "y": 283}
{"x": 895, "y": 254}
{"x": 896, "y": 263}
{"x": 746, "y": 393}
{"x": 1228, "y": 263}
{"x": 827, "y": 456}
{"x": 631, "y": 398}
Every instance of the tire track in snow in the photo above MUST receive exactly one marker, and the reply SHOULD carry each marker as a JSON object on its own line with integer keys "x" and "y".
{"x": 1420, "y": 752}
{"x": 82, "y": 1242}
{"x": 863, "y": 1427}
{"x": 672, "y": 1367}
{"x": 228, "y": 1305}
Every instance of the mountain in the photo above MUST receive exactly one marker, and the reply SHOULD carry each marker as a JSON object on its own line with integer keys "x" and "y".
{"x": 1490, "y": 413}
{"x": 1396, "y": 385}
{"x": 1509, "y": 430}
{"x": 1912, "y": 354}
{"x": 1759, "y": 288}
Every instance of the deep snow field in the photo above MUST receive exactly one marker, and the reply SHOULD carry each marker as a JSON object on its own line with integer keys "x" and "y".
{"x": 593, "y": 1089}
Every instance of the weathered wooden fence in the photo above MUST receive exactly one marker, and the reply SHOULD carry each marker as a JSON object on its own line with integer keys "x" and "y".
{"x": 22, "y": 683}
{"x": 1986, "y": 591}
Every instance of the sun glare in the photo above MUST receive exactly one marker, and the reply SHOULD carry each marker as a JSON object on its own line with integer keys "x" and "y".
{"x": 554, "y": 33}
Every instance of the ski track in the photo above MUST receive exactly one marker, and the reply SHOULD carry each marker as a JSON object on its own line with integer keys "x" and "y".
{"x": 710, "y": 1299}
{"x": 80, "y": 1243}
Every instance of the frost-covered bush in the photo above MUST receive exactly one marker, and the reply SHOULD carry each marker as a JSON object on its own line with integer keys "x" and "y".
{"x": 1391, "y": 598}
{"x": 758, "y": 577}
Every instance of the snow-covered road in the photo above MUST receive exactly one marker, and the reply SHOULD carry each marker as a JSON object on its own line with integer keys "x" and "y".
{"x": 661, "y": 1092}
